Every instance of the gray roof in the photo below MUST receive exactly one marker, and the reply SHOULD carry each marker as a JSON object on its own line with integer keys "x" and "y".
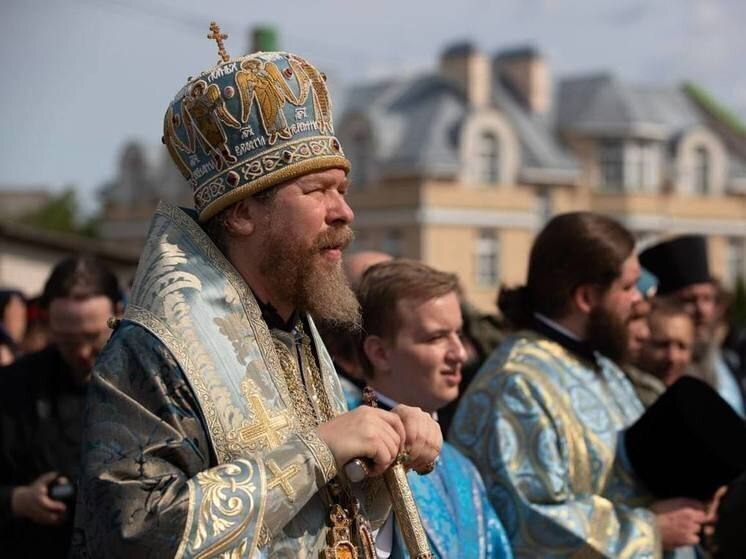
{"x": 416, "y": 124}
{"x": 601, "y": 105}
{"x": 541, "y": 150}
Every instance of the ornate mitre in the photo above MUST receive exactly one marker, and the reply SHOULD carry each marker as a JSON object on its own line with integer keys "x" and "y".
{"x": 250, "y": 123}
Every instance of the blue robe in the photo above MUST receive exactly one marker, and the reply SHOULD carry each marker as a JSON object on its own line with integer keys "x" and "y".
{"x": 200, "y": 428}
{"x": 542, "y": 426}
{"x": 458, "y": 517}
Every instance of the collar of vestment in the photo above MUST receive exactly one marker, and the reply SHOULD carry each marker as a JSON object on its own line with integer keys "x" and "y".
{"x": 273, "y": 318}
{"x": 192, "y": 299}
{"x": 550, "y": 329}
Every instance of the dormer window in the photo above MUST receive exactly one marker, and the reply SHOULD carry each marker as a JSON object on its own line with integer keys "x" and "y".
{"x": 490, "y": 153}
{"x": 629, "y": 166}
{"x": 701, "y": 175}
{"x": 701, "y": 163}
{"x": 611, "y": 160}
{"x": 488, "y": 158}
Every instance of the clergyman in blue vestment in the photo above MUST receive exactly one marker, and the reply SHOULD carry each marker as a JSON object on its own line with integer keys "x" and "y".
{"x": 412, "y": 354}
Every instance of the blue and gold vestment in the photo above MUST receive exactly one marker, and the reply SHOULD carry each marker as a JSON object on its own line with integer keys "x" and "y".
{"x": 200, "y": 426}
{"x": 457, "y": 515}
{"x": 542, "y": 426}
{"x": 455, "y": 511}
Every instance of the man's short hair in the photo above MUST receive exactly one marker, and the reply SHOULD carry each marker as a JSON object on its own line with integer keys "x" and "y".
{"x": 383, "y": 285}
{"x": 81, "y": 277}
{"x": 663, "y": 308}
{"x": 573, "y": 249}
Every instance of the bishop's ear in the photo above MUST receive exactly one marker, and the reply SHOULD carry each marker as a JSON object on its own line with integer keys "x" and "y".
{"x": 240, "y": 219}
{"x": 376, "y": 352}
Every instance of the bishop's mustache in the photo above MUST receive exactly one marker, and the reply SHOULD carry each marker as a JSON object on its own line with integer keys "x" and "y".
{"x": 337, "y": 237}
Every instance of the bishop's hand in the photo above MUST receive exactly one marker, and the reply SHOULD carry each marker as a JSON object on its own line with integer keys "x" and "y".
{"x": 374, "y": 434}
{"x": 423, "y": 439}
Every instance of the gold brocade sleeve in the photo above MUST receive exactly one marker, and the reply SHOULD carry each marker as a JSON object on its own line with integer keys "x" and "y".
{"x": 150, "y": 485}
{"x": 231, "y": 505}
{"x": 547, "y": 484}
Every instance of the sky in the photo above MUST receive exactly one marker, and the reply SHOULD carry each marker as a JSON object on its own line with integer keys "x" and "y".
{"x": 82, "y": 77}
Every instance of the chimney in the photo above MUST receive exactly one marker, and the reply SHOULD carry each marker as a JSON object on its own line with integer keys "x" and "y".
{"x": 468, "y": 67}
{"x": 263, "y": 38}
{"x": 524, "y": 71}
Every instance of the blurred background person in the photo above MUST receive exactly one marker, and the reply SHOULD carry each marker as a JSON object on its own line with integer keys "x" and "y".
{"x": 542, "y": 419}
{"x": 667, "y": 353}
{"x": 36, "y": 336}
{"x": 730, "y": 335}
{"x": 355, "y": 264}
{"x": 682, "y": 267}
{"x": 412, "y": 354}
{"x": 12, "y": 324}
{"x": 647, "y": 387}
{"x": 42, "y": 398}
{"x": 481, "y": 333}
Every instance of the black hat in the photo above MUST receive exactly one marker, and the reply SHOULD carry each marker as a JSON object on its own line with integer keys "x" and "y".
{"x": 678, "y": 262}
{"x": 688, "y": 443}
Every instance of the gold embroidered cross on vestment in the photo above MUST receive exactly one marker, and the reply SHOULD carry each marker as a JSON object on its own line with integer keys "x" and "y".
{"x": 266, "y": 429}
{"x": 282, "y": 478}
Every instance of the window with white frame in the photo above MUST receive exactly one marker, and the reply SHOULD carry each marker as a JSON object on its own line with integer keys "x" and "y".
{"x": 611, "y": 162}
{"x": 701, "y": 169}
{"x": 488, "y": 157}
{"x": 642, "y": 166}
{"x": 630, "y": 166}
{"x": 487, "y": 257}
{"x": 392, "y": 243}
{"x": 736, "y": 264}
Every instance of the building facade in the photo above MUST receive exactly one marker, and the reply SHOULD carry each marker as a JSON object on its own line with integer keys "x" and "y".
{"x": 27, "y": 256}
{"x": 462, "y": 167}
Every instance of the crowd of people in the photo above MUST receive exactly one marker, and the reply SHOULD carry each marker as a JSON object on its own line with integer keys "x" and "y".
{"x": 256, "y": 390}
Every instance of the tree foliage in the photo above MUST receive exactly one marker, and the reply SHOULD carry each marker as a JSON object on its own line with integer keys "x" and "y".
{"x": 61, "y": 214}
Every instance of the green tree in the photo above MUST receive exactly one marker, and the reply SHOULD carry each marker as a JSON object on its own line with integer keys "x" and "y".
{"x": 61, "y": 214}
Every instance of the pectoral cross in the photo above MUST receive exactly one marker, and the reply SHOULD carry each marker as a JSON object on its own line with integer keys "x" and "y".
{"x": 266, "y": 428}
{"x": 339, "y": 545}
{"x": 219, "y": 37}
{"x": 282, "y": 478}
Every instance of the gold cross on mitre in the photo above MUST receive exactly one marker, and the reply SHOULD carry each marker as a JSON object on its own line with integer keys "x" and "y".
{"x": 282, "y": 478}
{"x": 266, "y": 428}
{"x": 219, "y": 37}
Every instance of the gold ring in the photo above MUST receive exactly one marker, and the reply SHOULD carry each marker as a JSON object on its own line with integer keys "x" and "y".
{"x": 427, "y": 469}
{"x": 356, "y": 470}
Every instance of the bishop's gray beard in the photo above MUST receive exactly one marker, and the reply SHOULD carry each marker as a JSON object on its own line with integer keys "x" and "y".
{"x": 299, "y": 273}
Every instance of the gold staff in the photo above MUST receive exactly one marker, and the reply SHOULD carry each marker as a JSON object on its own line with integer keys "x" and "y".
{"x": 402, "y": 500}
